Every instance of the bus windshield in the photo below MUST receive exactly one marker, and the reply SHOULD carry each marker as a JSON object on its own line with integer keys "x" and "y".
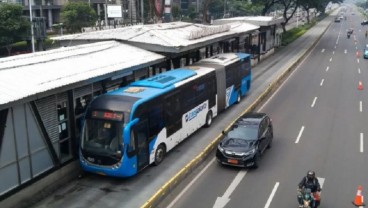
{"x": 102, "y": 137}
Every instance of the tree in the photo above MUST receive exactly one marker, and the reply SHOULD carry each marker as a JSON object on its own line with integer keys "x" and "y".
{"x": 241, "y": 8}
{"x": 216, "y": 8}
{"x": 176, "y": 12}
{"x": 206, "y": 4}
{"x": 13, "y": 26}
{"x": 77, "y": 15}
{"x": 289, "y": 7}
{"x": 267, "y": 5}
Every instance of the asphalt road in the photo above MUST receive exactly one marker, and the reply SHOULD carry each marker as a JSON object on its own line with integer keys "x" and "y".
{"x": 320, "y": 119}
{"x": 97, "y": 191}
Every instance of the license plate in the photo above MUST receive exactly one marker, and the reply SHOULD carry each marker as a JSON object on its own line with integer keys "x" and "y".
{"x": 232, "y": 161}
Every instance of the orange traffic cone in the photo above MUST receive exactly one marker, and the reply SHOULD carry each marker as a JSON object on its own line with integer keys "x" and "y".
{"x": 358, "y": 201}
{"x": 360, "y": 85}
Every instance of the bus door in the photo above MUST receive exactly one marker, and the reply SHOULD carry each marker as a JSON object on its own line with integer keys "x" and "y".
{"x": 140, "y": 133}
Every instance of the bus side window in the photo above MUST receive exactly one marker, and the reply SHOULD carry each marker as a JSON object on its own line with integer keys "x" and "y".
{"x": 156, "y": 120}
{"x": 131, "y": 146}
{"x": 201, "y": 94}
{"x": 173, "y": 113}
{"x": 188, "y": 97}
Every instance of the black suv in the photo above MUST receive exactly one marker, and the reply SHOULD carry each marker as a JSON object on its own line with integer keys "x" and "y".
{"x": 246, "y": 141}
{"x": 365, "y": 22}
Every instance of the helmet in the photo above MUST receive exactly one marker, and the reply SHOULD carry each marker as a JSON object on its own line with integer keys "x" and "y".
{"x": 311, "y": 174}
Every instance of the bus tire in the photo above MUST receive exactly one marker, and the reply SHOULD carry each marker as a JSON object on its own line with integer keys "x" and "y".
{"x": 238, "y": 98}
{"x": 160, "y": 154}
{"x": 208, "y": 119}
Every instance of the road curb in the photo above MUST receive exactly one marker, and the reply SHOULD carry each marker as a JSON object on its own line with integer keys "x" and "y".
{"x": 156, "y": 198}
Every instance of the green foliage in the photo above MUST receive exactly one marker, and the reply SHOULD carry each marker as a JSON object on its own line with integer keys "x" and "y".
{"x": 76, "y": 15}
{"x": 243, "y": 8}
{"x": 216, "y": 8}
{"x": 13, "y": 26}
{"x": 191, "y": 13}
{"x": 292, "y": 34}
{"x": 176, "y": 13}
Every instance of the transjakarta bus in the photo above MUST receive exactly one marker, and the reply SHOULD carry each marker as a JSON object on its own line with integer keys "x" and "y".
{"x": 132, "y": 127}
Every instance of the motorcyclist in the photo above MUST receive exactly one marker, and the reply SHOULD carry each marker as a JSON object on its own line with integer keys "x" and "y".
{"x": 311, "y": 182}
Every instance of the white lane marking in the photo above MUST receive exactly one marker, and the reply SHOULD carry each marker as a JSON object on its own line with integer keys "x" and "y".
{"x": 190, "y": 184}
{"x": 299, "y": 135}
{"x": 361, "y": 142}
{"x": 358, "y": 61}
{"x": 346, "y": 51}
{"x": 358, "y": 70}
{"x": 272, "y": 195}
{"x": 286, "y": 80}
{"x": 314, "y": 102}
{"x": 327, "y": 68}
{"x": 222, "y": 201}
{"x": 335, "y": 46}
{"x": 235, "y": 183}
{"x": 333, "y": 52}
{"x": 322, "y": 81}
{"x": 360, "y": 106}
{"x": 323, "y": 50}
{"x": 330, "y": 59}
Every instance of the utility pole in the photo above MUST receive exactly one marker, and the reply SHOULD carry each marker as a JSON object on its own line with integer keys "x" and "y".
{"x": 224, "y": 9}
{"x": 105, "y": 14}
{"x": 142, "y": 12}
{"x": 32, "y": 32}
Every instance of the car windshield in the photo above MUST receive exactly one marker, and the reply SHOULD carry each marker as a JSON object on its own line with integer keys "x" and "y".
{"x": 245, "y": 133}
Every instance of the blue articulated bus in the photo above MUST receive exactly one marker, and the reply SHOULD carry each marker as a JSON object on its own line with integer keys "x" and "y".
{"x": 130, "y": 128}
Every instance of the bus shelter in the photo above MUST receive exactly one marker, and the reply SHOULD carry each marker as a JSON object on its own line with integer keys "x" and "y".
{"x": 181, "y": 43}
{"x": 43, "y": 98}
{"x": 263, "y": 43}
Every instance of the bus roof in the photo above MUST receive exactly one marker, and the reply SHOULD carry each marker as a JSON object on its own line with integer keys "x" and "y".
{"x": 165, "y": 79}
{"x": 224, "y": 58}
{"x": 156, "y": 85}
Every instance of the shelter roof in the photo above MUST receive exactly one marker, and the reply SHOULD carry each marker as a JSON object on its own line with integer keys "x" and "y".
{"x": 174, "y": 37}
{"x": 28, "y": 75}
{"x": 255, "y": 20}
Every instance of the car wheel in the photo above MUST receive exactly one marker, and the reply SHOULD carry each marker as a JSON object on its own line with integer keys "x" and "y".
{"x": 160, "y": 154}
{"x": 238, "y": 98}
{"x": 257, "y": 158}
{"x": 208, "y": 119}
{"x": 269, "y": 144}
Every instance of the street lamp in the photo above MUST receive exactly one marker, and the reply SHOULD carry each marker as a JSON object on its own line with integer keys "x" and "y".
{"x": 105, "y": 12}
{"x": 32, "y": 32}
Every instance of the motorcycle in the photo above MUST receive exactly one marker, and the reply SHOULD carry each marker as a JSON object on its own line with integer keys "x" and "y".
{"x": 310, "y": 200}
{"x": 350, "y": 31}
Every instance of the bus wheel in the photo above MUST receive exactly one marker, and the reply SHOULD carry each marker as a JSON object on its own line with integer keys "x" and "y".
{"x": 208, "y": 119}
{"x": 238, "y": 98}
{"x": 160, "y": 154}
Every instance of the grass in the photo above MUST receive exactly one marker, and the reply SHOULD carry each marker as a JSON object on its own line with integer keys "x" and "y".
{"x": 294, "y": 33}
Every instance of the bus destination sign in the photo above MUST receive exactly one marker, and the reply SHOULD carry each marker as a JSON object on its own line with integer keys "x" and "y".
{"x": 107, "y": 115}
